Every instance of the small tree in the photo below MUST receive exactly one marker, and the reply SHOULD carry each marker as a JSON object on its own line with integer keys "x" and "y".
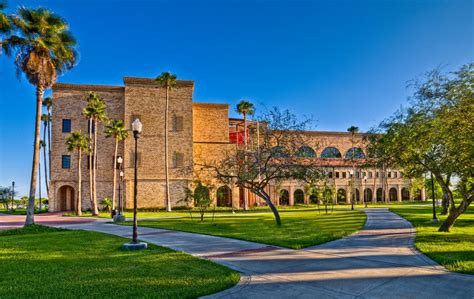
{"x": 199, "y": 197}
{"x": 107, "y": 204}
{"x": 274, "y": 159}
{"x": 78, "y": 142}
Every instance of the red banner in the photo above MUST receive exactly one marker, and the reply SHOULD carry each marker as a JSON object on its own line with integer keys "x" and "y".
{"x": 237, "y": 137}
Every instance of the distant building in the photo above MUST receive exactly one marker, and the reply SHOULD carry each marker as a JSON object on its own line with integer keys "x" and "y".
{"x": 197, "y": 132}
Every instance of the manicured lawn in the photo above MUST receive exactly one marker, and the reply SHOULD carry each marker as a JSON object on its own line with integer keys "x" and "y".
{"x": 52, "y": 263}
{"x": 454, "y": 250}
{"x": 299, "y": 229}
{"x": 21, "y": 211}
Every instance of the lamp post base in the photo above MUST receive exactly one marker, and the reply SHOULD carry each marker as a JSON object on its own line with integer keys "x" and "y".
{"x": 434, "y": 220}
{"x": 119, "y": 218}
{"x": 135, "y": 246}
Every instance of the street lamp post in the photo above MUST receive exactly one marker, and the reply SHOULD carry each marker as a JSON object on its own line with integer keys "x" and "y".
{"x": 435, "y": 219}
{"x": 13, "y": 192}
{"x": 135, "y": 245}
{"x": 118, "y": 217}
{"x": 365, "y": 191}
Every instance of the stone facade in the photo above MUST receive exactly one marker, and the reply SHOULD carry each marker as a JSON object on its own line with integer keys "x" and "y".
{"x": 198, "y": 133}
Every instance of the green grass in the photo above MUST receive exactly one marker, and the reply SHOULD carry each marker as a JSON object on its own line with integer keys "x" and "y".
{"x": 454, "y": 250}
{"x": 21, "y": 211}
{"x": 299, "y": 229}
{"x": 52, "y": 263}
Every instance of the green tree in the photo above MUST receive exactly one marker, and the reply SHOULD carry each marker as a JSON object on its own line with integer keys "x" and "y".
{"x": 245, "y": 108}
{"x": 48, "y": 103}
{"x": 46, "y": 120}
{"x": 167, "y": 81}
{"x": 199, "y": 197}
{"x": 5, "y": 25}
{"x": 81, "y": 144}
{"x": 94, "y": 112}
{"x": 43, "y": 48}
{"x": 435, "y": 135}
{"x": 117, "y": 130}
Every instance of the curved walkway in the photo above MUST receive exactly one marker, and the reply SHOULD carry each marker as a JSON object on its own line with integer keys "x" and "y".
{"x": 376, "y": 262}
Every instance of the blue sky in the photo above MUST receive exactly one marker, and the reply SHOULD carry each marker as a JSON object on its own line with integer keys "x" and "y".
{"x": 342, "y": 62}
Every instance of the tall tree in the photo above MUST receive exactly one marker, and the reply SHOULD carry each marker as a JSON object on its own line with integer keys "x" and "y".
{"x": 48, "y": 103}
{"x": 353, "y": 130}
{"x": 5, "y": 25}
{"x": 167, "y": 81}
{"x": 43, "y": 48}
{"x": 46, "y": 120}
{"x": 117, "y": 130}
{"x": 245, "y": 108}
{"x": 276, "y": 158}
{"x": 95, "y": 112}
{"x": 435, "y": 134}
{"x": 80, "y": 143}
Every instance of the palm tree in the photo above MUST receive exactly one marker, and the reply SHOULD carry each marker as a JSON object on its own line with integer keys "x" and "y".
{"x": 94, "y": 113}
{"x": 115, "y": 129}
{"x": 78, "y": 142}
{"x": 46, "y": 119}
{"x": 5, "y": 25}
{"x": 245, "y": 108}
{"x": 353, "y": 130}
{"x": 168, "y": 81}
{"x": 48, "y": 103}
{"x": 43, "y": 49}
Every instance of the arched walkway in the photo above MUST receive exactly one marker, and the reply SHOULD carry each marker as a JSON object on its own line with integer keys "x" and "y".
{"x": 368, "y": 195}
{"x": 379, "y": 195}
{"x": 393, "y": 194}
{"x": 284, "y": 197}
{"x": 355, "y": 152}
{"x": 405, "y": 194}
{"x": 356, "y": 196}
{"x": 66, "y": 196}
{"x": 341, "y": 196}
{"x": 299, "y": 196}
{"x": 224, "y": 197}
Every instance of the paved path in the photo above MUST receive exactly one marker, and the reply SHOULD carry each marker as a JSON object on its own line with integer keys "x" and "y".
{"x": 8, "y": 221}
{"x": 377, "y": 262}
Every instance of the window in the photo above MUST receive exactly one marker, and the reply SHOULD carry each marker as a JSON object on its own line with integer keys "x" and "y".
{"x": 66, "y": 161}
{"x": 330, "y": 174}
{"x": 178, "y": 160}
{"x": 389, "y": 174}
{"x": 357, "y": 174}
{"x": 178, "y": 123}
{"x": 343, "y": 174}
{"x": 377, "y": 174}
{"x": 395, "y": 174}
{"x": 370, "y": 174}
{"x": 66, "y": 126}
{"x": 337, "y": 174}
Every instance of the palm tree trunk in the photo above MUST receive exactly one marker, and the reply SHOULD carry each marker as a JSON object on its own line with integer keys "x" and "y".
{"x": 49, "y": 145}
{"x": 245, "y": 148}
{"x": 115, "y": 174}
{"x": 30, "y": 211}
{"x": 95, "y": 210}
{"x": 168, "y": 200}
{"x": 79, "y": 184}
{"x": 45, "y": 161}
{"x": 91, "y": 193}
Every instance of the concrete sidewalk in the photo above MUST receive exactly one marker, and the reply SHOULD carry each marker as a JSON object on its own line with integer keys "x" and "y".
{"x": 377, "y": 262}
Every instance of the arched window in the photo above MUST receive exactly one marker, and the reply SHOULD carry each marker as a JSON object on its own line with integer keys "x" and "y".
{"x": 306, "y": 152}
{"x": 355, "y": 152}
{"x": 284, "y": 197}
{"x": 331, "y": 152}
{"x": 405, "y": 194}
{"x": 393, "y": 194}
{"x": 224, "y": 197}
{"x": 280, "y": 152}
{"x": 299, "y": 196}
{"x": 341, "y": 196}
{"x": 356, "y": 196}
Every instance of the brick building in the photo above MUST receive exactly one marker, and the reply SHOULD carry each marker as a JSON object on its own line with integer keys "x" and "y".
{"x": 197, "y": 132}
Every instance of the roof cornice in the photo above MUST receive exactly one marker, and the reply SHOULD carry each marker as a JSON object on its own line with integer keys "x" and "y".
{"x": 149, "y": 81}
{"x": 87, "y": 87}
